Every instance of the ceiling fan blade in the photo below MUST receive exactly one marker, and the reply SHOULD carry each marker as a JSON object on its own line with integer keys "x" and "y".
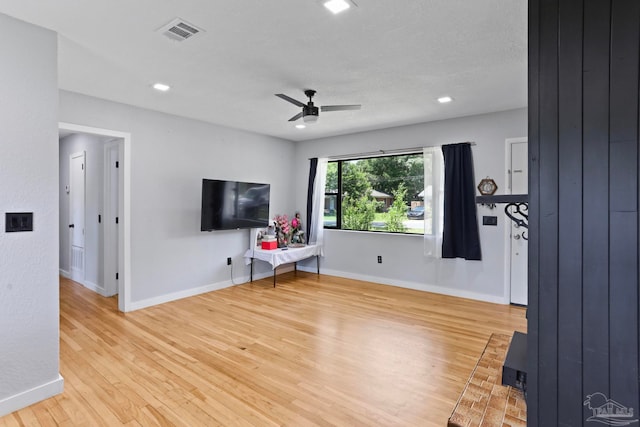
{"x": 296, "y": 117}
{"x": 291, "y": 100}
{"x": 339, "y": 107}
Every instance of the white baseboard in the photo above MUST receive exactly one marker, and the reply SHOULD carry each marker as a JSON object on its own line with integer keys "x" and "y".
{"x": 285, "y": 268}
{"x": 412, "y": 285}
{"x": 258, "y": 276}
{"x": 87, "y": 284}
{"x": 161, "y": 299}
{"x": 29, "y": 397}
{"x": 95, "y": 288}
{"x": 314, "y": 269}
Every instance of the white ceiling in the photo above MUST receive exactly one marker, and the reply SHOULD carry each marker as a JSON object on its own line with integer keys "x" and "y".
{"x": 395, "y": 57}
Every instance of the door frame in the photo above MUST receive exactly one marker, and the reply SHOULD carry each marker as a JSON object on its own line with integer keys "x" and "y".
{"x": 110, "y": 212}
{"x": 124, "y": 231}
{"x": 507, "y": 226}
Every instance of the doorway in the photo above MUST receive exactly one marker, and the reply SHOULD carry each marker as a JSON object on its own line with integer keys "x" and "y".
{"x": 76, "y": 193}
{"x": 106, "y": 230}
{"x": 517, "y": 245}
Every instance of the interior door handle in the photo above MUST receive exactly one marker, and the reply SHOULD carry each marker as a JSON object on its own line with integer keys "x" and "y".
{"x": 71, "y": 226}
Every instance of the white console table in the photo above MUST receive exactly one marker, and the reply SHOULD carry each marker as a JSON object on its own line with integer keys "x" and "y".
{"x": 277, "y": 257}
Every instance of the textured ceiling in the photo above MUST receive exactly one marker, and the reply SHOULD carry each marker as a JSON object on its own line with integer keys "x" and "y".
{"x": 395, "y": 57}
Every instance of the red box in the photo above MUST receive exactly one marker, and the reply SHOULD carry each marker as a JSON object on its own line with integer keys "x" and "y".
{"x": 270, "y": 245}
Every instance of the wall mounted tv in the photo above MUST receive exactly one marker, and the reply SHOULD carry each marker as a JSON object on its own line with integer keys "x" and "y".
{"x": 230, "y": 205}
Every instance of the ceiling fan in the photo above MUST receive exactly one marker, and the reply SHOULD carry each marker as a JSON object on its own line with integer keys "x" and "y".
{"x": 309, "y": 111}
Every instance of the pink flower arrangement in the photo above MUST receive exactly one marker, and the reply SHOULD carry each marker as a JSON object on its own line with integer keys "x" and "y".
{"x": 288, "y": 231}
{"x": 282, "y": 222}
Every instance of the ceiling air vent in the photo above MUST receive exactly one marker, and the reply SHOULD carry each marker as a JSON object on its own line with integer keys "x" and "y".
{"x": 179, "y": 30}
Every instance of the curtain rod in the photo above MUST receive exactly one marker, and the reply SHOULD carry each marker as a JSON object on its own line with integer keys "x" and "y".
{"x": 380, "y": 153}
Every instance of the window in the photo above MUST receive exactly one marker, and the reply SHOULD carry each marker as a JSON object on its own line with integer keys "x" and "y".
{"x": 379, "y": 194}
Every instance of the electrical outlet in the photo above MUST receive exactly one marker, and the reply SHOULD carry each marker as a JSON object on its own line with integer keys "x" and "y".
{"x": 379, "y": 259}
{"x": 229, "y": 261}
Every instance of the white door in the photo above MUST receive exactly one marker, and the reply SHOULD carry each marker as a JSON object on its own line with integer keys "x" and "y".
{"x": 111, "y": 217}
{"x": 76, "y": 215}
{"x": 519, "y": 173}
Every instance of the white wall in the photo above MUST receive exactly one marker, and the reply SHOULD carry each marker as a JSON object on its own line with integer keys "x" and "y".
{"x": 28, "y": 183}
{"x": 354, "y": 254}
{"x": 170, "y": 256}
{"x": 93, "y": 146}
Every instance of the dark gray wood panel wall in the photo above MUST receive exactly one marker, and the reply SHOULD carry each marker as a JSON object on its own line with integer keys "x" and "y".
{"x": 584, "y": 59}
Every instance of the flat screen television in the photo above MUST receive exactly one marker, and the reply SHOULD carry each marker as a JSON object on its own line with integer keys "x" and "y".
{"x": 230, "y": 205}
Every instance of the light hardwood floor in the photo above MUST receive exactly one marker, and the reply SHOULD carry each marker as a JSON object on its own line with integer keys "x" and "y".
{"x": 316, "y": 350}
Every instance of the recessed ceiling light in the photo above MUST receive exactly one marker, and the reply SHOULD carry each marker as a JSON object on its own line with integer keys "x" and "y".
{"x": 300, "y": 126}
{"x": 337, "y": 6}
{"x": 445, "y": 99}
{"x": 161, "y": 87}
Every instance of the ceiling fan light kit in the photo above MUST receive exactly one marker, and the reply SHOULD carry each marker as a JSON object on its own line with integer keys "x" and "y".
{"x": 337, "y": 6}
{"x": 161, "y": 87}
{"x": 310, "y": 112}
{"x": 310, "y": 118}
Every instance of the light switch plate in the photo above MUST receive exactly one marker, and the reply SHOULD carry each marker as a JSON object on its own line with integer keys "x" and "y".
{"x": 489, "y": 220}
{"x": 18, "y": 221}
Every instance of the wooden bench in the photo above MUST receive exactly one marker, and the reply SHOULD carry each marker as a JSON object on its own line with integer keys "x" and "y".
{"x": 485, "y": 402}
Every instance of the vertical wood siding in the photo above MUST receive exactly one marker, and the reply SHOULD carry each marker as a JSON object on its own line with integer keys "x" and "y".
{"x": 583, "y": 251}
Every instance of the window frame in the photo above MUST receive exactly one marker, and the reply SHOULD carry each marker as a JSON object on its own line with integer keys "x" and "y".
{"x": 339, "y": 194}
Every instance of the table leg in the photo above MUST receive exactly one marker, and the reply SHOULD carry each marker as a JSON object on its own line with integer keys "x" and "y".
{"x": 274, "y": 276}
{"x": 318, "y": 263}
{"x": 251, "y": 270}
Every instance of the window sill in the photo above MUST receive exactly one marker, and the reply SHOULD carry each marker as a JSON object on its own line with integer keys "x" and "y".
{"x": 375, "y": 233}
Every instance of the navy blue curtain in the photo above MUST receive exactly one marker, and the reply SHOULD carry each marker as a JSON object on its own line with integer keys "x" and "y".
{"x": 460, "y": 237}
{"x": 313, "y": 167}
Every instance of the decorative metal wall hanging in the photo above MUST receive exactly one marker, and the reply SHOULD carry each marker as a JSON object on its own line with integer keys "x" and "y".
{"x": 487, "y": 187}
